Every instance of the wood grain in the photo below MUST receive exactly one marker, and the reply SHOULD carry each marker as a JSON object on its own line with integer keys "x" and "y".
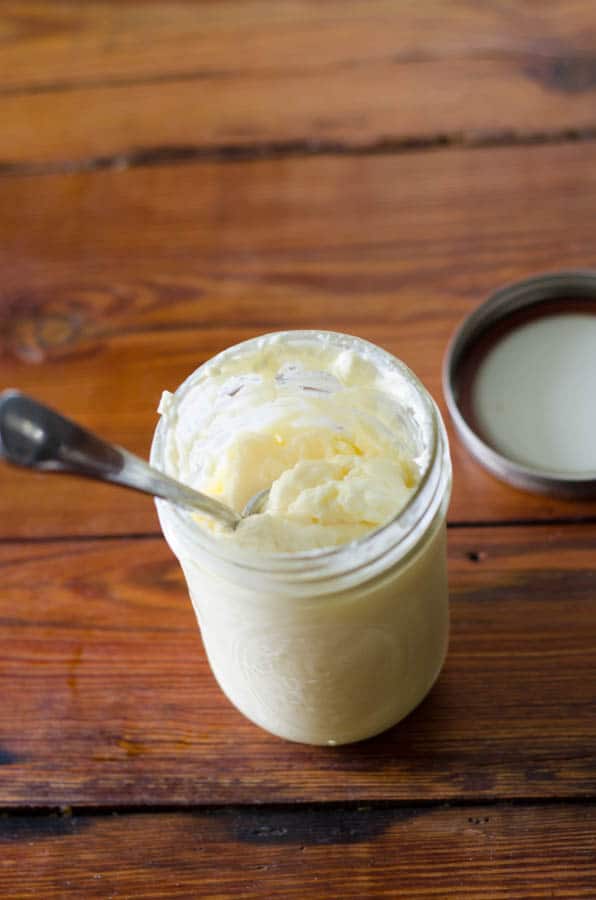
{"x": 116, "y": 285}
{"x": 486, "y": 852}
{"x": 304, "y": 207}
{"x": 111, "y": 79}
{"x": 107, "y": 697}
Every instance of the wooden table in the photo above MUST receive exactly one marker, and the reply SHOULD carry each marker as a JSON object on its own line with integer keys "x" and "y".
{"x": 177, "y": 177}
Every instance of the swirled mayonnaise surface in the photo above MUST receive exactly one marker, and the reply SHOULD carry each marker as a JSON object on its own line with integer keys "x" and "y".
{"x": 318, "y": 424}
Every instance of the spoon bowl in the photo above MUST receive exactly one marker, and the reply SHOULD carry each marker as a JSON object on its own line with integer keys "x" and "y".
{"x": 256, "y": 503}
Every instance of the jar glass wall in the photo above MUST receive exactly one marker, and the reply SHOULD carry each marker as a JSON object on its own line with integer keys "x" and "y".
{"x": 333, "y": 645}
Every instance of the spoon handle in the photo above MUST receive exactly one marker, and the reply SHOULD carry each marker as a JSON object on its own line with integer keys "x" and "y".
{"x": 36, "y": 437}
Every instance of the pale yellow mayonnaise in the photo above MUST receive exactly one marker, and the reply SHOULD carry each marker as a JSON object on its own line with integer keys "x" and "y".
{"x": 317, "y": 425}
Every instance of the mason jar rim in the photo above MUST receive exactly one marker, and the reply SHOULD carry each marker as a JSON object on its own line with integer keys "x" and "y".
{"x": 341, "y": 558}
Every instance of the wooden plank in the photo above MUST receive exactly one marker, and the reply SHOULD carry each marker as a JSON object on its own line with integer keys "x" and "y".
{"x": 109, "y": 78}
{"x": 486, "y": 852}
{"x": 116, "y": 286}
{"x": 107, "y": 697}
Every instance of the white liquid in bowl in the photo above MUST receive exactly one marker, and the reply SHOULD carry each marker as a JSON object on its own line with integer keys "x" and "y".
{"x": 534, "y": 395}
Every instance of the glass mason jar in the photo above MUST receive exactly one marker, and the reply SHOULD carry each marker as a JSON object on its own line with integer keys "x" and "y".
{"x": 334, "y": 645}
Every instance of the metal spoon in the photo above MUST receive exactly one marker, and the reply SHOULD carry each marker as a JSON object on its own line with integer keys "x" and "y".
{"x": 36, "y": 437}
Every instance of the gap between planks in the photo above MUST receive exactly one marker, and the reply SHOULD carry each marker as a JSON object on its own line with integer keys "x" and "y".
{"x": 172, "y": 155}
{"x": 305, "y": 807}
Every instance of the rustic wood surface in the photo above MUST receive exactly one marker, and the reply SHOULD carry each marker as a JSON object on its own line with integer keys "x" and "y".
{"x": 131, "y": 81}
{"x": 483, "y": 852}
{"x": 118, "y": 284}
{"x": 108, "y": 698}
{"x": 175, "y": 177}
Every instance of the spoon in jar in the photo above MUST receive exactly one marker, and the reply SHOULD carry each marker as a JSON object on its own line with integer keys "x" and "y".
{"x": 34, "y": 436}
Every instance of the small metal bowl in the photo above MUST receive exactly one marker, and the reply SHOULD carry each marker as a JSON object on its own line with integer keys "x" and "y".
{"x": 506, "y": 311}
